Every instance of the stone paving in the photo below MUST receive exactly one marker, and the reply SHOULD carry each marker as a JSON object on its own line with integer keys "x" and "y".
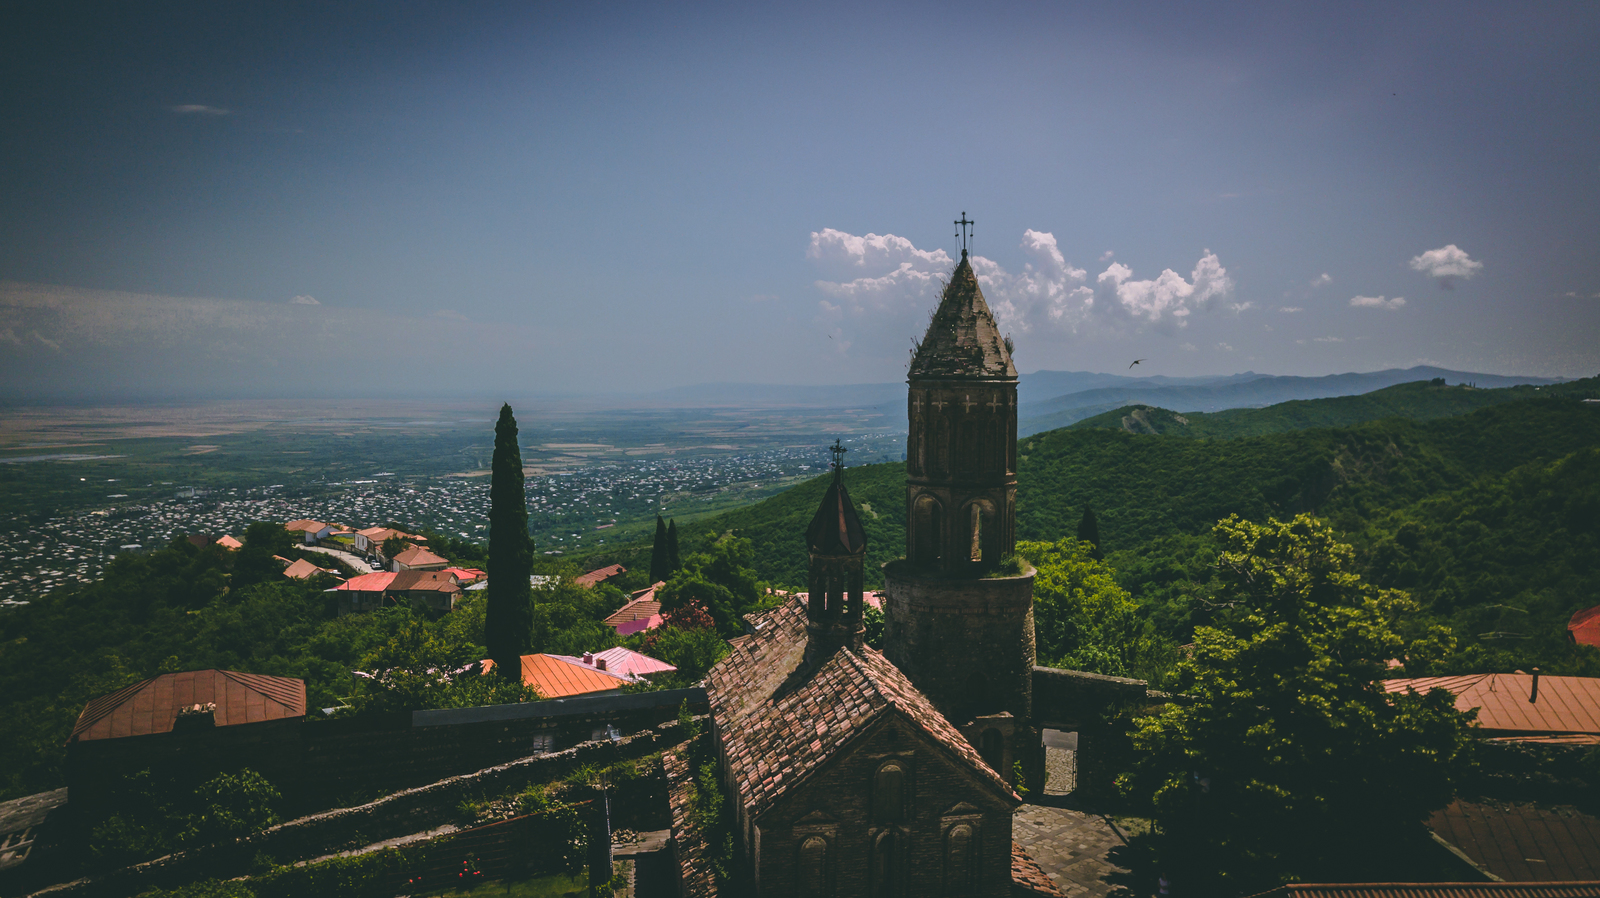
{"x": 1070, "y": 845}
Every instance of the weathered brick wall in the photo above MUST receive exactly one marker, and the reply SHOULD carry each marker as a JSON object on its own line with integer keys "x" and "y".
{"x": 1095, "y": 705}
{"x": 836, "y": 804}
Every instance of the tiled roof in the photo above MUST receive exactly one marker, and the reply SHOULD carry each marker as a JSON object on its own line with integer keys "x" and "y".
{"x": 776, "y": 729}
{"x": 302, "y": 569}
{"x": 1028, "y": 878}
{"x": 556, "y": 678}
{"x": 1565, "y": 704}
{"x": 1584, "y": 628}
{"x": 835, "y": 529}
{"x": 417, "y": 556}
{"x": 305, "y": 525}
{"x": 1523, "y": 842}
{"x": 693, "y": 853}
{"x": 962, "y": 339}
{"x": 599, "y": 576}
{"x": 152, "y": 705}
{"x": 374, "y": 582}
{"x": 228, "y": 542}
{"x": 466, "y": 574}
{"x": 1435, "y": 890}
{"x": 639, "y": 608}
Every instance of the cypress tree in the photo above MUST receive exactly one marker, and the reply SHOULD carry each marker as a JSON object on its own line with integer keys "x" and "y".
{"x": 507, "y": 620}
{"x": 673, "y": 561}
{"x": 658, "y": 553}
{"x": 1089, "y": 532}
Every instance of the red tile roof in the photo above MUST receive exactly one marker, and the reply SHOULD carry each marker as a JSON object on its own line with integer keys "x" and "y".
{"x": 1565, "y": 704}
{"x": 301, "y": 569}
{"x": 417, "y": 556}
{"x": 774, "y": 738}
{"x": 424, "y": 581}
{"x": 1523, "y": 842}
{"x": 152, "y": 705}
{"x": 466, "y": 575}
{"x": 305, "y": 525}
{"x": 377, "y": 581}
{"x": 640, "y": 608}
{"x": 228, "y": 542}
{"x": 587, "y": 581}
{"x": 692, "y": 851}
{"x": 1435, "y": 890}
{"x": 1584, "y": 628}
{"x": 1028, "y": 878}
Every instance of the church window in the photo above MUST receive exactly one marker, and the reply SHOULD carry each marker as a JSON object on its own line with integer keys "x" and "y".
{"x": 928, "y": 529}
{"x": 888, "y": 793}
{"x": 884, "y": 866}
{"x": 814, "y": 867}
{"x": 959, "y": 860}
{"x": 977, "y": 533}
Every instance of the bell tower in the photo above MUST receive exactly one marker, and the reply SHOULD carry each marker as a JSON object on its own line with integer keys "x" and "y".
{"x": 837, "y": 547}
{"x": 957, "y": 622}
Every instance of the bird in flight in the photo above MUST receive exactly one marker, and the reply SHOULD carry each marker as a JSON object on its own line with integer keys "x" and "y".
{"x": 1135, "y": 362}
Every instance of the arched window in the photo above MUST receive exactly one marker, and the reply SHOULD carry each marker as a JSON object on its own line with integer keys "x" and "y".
{"x": 889, "y": 793}
{"x": 884, "y": 866}
{"x": 928, "y": 530}
{"x": 814, "y": 867}
{"x": 960, "y": 850}
{"x": 992, "y": 746}
{"x": 977, "y": 532}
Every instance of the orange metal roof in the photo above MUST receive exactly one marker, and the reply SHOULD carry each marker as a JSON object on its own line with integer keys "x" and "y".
{"x": 1523, "y": 842}
{"x": 555, "y": 678}
{"x": 1565, "y": 704}
{"x": 152, "y": 706}
{"x": 1436, "y": 890}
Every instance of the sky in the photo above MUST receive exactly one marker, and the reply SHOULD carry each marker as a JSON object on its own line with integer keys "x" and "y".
{"x": 412, "y": 198}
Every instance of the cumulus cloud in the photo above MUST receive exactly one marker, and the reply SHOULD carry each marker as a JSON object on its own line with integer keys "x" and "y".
{"x": 198, "y": 109}
{"x": 304, "y": 301}
{"x": 1447, "y": 264}
{"x": 1377, "y": 302}
{"x": 1167, "y": 298}
{"x": 1321, "y": 280}
{"x": 1290, "y": 309}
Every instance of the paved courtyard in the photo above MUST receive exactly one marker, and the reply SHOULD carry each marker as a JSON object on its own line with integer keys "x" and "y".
{"x": 1070, "y": 845}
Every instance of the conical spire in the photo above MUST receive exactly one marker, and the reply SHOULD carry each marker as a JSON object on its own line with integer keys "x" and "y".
{"x": 962, "y": 338}
{"x": 835, "y": 529}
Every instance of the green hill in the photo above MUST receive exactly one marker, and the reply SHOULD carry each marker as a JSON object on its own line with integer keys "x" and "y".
{"x": 1418, "y": 401}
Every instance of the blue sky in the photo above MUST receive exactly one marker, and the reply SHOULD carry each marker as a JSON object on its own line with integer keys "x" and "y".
{"x": 527, "y": 197}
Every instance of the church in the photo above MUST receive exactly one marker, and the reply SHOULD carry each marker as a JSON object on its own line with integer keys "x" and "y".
{"x": 857, "y": 772}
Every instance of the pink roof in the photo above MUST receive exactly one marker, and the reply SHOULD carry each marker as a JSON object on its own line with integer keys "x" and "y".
{"x": 631, "y": 663}
{"x": 1564, "y": 705}
{"x": 639, "y": 625}
{"x": 375, "y": 582}
{"x": 466, "y": 574}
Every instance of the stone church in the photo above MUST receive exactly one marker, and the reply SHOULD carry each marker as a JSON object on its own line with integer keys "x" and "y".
{"x": 855, "y": 772}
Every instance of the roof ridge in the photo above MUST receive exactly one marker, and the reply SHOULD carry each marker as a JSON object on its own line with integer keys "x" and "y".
{"x": 97, "y": 708}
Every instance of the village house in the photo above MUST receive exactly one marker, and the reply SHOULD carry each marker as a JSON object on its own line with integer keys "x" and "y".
{"x": 596, "y": 577}
{"x": 642, "y": 612}
{"x": 310, "y": 531}
{"x": 417, "y": 558}
{"x": 435, "y": 590}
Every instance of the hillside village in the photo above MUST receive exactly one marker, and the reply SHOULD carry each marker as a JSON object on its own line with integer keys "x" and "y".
{"x": 683, "y": 728}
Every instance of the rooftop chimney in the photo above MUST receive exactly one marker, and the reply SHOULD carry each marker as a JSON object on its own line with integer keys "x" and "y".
{"x": 1533, "y": 695}
{"x": 600, "y": 663}
{"x": 588, "y": 658}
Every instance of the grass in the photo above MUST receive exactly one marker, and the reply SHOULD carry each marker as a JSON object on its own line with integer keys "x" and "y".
{"x": 557, "y": 885}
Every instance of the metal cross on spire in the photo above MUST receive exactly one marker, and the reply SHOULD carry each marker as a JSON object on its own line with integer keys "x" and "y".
{"x": 964, "y": 231}
{"x": 838, "y": 449}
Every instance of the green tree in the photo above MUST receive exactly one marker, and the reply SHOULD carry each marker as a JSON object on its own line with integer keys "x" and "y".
{"x": 1083, "y": 620}
{"x": 1290, "y": 761}
{"x": 508, "y": 619}
{"x": 720, "y": 580}
{"x": 393, "y": 546}
{"x": 255, "y": 562}
{"x": 658, "y": 553}
{"x": 422, "y": 668}
{"x": 1089, "y": 532}
{"x": 674, "y": 561}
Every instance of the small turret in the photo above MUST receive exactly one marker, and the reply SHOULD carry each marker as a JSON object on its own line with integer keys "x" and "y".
{"x": 837, "y": 546}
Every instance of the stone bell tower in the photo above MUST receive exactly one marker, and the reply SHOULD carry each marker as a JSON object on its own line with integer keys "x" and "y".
{"x": 955, "y": 623}
{"x": 837, "y": 547}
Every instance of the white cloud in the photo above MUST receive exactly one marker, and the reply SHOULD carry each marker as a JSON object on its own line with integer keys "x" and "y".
{"x": 1168, "y": 298}
{"x": 1321, "y": 280}
{"x": 1446, "y": 264}
{"x": 46, "y": 341}
{"x": 1187, "y": 347}
{"x": 1225, "y": 347}
{"x": 197, "y": 109}
{"x": 1327, "y": 339}
{"x": 304, "y": 301}
{"x": 1290, "y": 309}
{"x": 1107, "y": 256}
{"x": 1240, "y": 306}
{"x": 1377, "y": 302}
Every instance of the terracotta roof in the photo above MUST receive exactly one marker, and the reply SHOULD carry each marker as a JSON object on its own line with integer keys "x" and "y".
{"x": 1435, "y": 890}
{"x": 1565, "y": 704}
{"x": 1523, "y": 842}
{"x": 301, "y": 569}
{"x": 555, "y": 678}
{"x": 775, "y": 732}
{"x": 152, "y": 705}
{"x": 962, "y": 338}
{"x": 378, "y": 581}
{"x": 1584, "y": 628}
{"x": 1028, "y": 878}
{"x": 599, "y": 576}
{"x": 228, "y": 542}
{"x": 835, "y": 529}
{"x": 417, "y": 556}
{"x": 424, "y": 581}
{"x": 308, "y": 526}
{"x": 695, "y": 873}
{"x": 641, "y": 608}
{"x": 379, "y": 534}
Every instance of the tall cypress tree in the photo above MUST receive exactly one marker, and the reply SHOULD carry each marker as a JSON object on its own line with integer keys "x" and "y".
{"x": 1089, "y": 532}
{"x": 673, "y": 561}
{"x": 507, "y": 619}
{"x": 658, "y": 553}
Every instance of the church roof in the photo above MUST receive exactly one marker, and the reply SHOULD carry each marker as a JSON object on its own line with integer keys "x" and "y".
{"x": 835, "y": 529}
{"x": 779, "y": 724}
{"x": 962, "y": 338}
